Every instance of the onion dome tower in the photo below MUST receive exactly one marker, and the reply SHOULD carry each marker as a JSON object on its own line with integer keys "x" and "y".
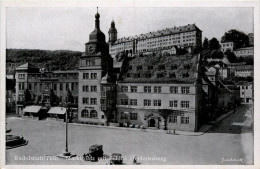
{"x": 112, "y": 33}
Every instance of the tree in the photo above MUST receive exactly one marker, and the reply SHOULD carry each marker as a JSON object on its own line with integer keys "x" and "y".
{"x": 69, "y": 96}
{"x": 165, "y": 114}
{"x": 27, "y": 96}
{"x": 197, "y": 49}
{"x": 205, "y": 43}
{"x": 217, "y": 54}
{"x": 52, "y": 98}
{"x": 214, "y": 44}
{"x": 230, "y": 56}
{"x": 240, "y": 39}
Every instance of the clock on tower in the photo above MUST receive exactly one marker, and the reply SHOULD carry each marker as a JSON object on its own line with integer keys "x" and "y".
{"x": 91, "y": 49}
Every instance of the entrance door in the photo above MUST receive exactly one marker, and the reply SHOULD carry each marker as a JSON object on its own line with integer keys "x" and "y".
{"x": 152, "y": 123}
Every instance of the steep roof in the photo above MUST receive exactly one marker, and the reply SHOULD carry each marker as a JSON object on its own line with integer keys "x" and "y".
{"x": 26, "y": 66}
{"x": 161, "y": 69}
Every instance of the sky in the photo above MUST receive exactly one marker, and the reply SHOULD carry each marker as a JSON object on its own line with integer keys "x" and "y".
{"x": 62, "y": 28}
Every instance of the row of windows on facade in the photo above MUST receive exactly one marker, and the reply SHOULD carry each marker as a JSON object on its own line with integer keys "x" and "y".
{"x": 89, "y": 75}
{"x": 34, "y": 97}
{"x": 171, "y": 118}
{"x": 22, "y": 76}
{"x": 89, "y": 114}
{"x": 244, "y": 52}
{"x": 62, "y": 86}
{"x": 156, "y": 89}
{"x": 91, "y": 101}
{"x": 147, "y": 102}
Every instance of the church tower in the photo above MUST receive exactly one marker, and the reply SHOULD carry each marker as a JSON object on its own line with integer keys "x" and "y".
{"x": 112, "y": 33}
{"x": 94, "y": 64}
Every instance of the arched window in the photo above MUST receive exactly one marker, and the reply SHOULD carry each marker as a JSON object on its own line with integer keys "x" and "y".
{"x": 85, "y": 113}
{"x": 93, "y": 114}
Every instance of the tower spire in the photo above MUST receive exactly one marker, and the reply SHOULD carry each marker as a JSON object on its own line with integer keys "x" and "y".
{"x": 97, "y": 16}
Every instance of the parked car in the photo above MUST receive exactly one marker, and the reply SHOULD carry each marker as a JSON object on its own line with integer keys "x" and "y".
{"x": 95, "y": 152}
{"x": 116, "y": 158}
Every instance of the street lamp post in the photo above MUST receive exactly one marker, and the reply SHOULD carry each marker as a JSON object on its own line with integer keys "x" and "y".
{"x": 66, "y": 153}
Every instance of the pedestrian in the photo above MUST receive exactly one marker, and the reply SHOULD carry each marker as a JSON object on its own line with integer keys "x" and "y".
{"x": 135, "y": 160}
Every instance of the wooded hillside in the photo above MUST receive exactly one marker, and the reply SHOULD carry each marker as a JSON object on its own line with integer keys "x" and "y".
{"x": 52, "y": 60}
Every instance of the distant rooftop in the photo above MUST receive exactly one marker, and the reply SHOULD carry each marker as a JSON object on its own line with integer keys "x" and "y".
{"x": 246, "y": 48}
{"x": 161, "y": 69}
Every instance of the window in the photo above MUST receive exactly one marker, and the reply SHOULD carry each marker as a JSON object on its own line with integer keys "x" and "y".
{"x": 173, "y": 89}
{"x": 157, "y": 102}
{"x": 147, "y": 102}
{"x": 134, "y": 89}
{"x": 185, "y": 104}
{"x": 67, "y": 86}
{"x": 173, "y": 103}
{"x": 185, "y": 90}
{"x": 172, "y": 119}
{"x": 133, "y": 116}
{"x": 85, "y": 100}
{"x": 21, "y": 86}
{"x": 242, "y": 93}
{"x": 124, "y": 88}
{"x": 61, "y": 87}
{"x": 90, "y": 62}
{"x": 185, "y": 120}
{"x": 93, "y": 101}
{"x": 85, "y": 75}
{"x": 93, "y": 114}
{"x": 157, "y": 89}
{"x": 147, "y": 89}
{"x": 84, "y": 113}
{"x": 133, "y": 102}
{"x": 55, "y": 87}
{"x": 85, "y": 88}
{"x": 124, "y": 101}
{"x": 93, "y": 88}
{"x": 30, "y": 86}
{"x": 21, "y": 97}
{"x": 93, "y": 75}
{"x": 21, "y": 76}
{"x": 35, "y": 86}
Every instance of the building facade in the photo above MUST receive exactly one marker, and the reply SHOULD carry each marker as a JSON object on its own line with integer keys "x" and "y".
{"x": 39, "y": 84}
{"x": 95, "y": 63}
{"x": 226, "y": 46}
{"x": 187, "y": 36}
{"x": 246, "y": 92}
{"x": 244, "y": 52}
{"x": 244, "y": 71}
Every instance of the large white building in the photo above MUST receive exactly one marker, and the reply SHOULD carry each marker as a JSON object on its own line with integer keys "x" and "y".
{"x": 186, "y": 36}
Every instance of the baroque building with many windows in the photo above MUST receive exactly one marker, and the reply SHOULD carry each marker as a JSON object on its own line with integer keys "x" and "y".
{"x": 187, "y": 36}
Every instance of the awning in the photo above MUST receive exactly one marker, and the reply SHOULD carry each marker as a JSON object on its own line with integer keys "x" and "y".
{"x": 32, "y": 109}
{"x": 57, "y": 110}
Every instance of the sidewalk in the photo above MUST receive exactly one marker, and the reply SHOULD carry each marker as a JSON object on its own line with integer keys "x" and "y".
{"x": 203, "y": 129}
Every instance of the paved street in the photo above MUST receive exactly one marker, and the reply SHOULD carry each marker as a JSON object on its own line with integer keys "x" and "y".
{"x": 228, "y": 142}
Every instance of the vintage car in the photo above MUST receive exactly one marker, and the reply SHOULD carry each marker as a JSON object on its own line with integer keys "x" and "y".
{"x": 116, "y": 158}
{"x": 95, "y": 152}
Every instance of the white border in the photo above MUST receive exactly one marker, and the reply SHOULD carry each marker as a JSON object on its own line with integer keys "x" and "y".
{"x": 133, "y": 3}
